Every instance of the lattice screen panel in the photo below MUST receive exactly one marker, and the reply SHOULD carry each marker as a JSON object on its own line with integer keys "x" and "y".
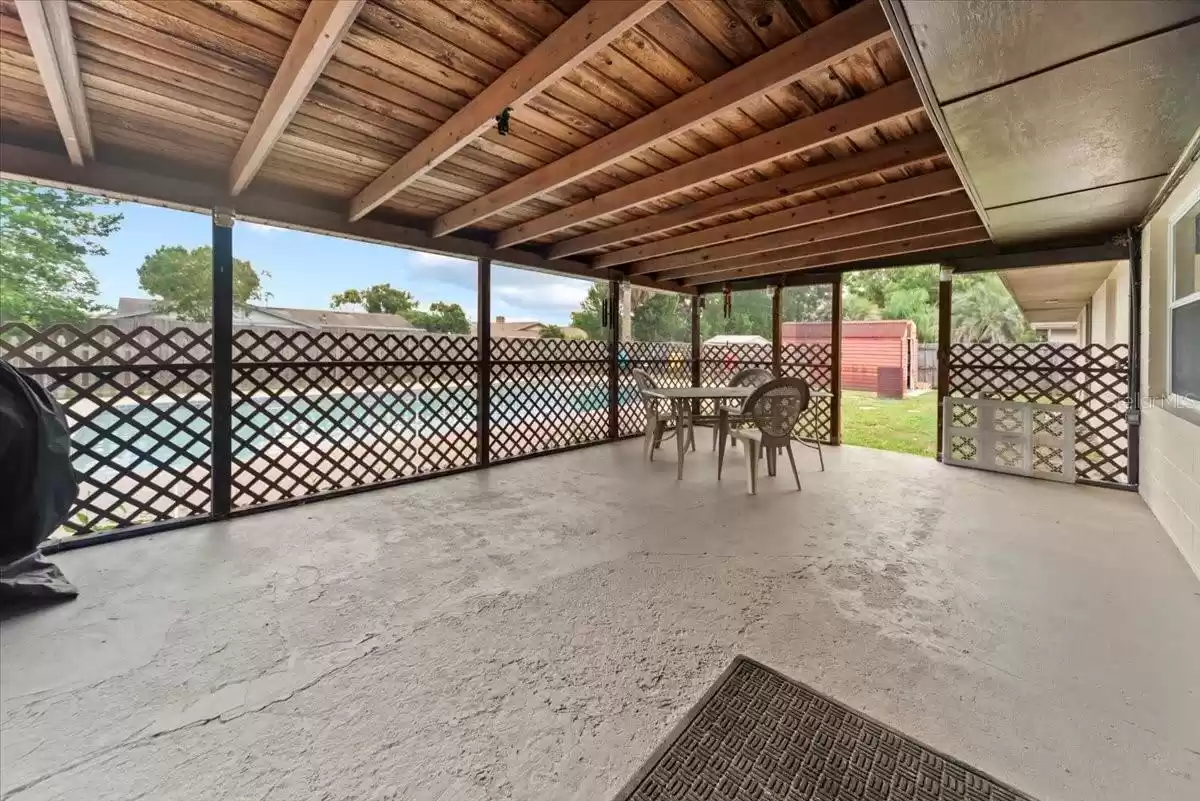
{"x": 1092, "y": 379}
{"x": 547, "y": 394}
{"x": 314, "y": 412}
{"x": 668, "y": 363}
{"x": 814, "y": 363}
{"x": 139, "y": 406}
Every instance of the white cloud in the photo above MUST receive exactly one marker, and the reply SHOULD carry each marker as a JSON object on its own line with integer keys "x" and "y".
{"x": 261, "y": 228}
{"x": 557, "y": 297}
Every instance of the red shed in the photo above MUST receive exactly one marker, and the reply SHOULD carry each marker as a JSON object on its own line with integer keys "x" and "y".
{"x": 867, "y": 345}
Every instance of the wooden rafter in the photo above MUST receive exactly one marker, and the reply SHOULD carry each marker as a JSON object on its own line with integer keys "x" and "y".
{"x": 47, "y": 28}
{"x": 880, "y": 236}
{"x": 851, "y": 30}
{"x": 928, "y": 209}
{"x": 848, "y": 118}
{"x": 940, "y": 182}
{"x": 936, "y": 242}
{"x": 318, "y": 36}
{"x": 877, "y": 197}
{"x": 588, "y": 31}
{"x": 907, "y": 151}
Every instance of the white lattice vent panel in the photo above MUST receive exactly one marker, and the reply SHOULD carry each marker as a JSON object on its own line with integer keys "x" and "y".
{"x": 1027, "y": 439}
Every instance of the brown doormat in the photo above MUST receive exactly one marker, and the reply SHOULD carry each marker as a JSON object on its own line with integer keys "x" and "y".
{"x": 756, "y": 734}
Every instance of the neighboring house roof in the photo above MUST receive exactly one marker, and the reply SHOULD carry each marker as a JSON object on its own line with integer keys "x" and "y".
{"x": 303, "y": 318}
{"x": 528, "y": 329}
{"x": 853, "y": 329}
{"x": 737, "y": 339}
{"x": 517, "y": 328}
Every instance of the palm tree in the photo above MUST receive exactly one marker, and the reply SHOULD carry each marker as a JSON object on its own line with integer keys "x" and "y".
{"x": 985, "y": 312}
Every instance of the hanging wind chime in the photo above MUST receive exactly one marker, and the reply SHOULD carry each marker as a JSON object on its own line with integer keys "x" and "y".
{"x": 727, "y": 300}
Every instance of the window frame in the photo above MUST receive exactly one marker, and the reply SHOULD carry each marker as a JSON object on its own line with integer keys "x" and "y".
{"x": 1189, "y": 209}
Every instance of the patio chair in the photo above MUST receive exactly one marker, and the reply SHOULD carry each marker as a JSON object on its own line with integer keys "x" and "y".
{"x": 657, "y": 420}
{"x": 771, "y": 413}
{"x": 731, "y": 414}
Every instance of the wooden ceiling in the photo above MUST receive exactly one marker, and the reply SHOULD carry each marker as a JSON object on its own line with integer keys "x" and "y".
{"x": 681, "y": 143}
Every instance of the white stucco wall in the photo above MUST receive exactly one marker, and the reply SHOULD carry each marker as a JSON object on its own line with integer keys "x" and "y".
{"x": 1111, "y": 300}
{"x": 1170, "y": 441}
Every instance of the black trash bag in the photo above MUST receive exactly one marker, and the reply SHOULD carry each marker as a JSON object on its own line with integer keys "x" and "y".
{"x": 37, "y": 487}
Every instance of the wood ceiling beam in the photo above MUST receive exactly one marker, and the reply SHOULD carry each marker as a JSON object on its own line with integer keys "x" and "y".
{"x": 317, "y": 37}
{"x": 848, "y": 118}
{"x": 935, "y": 242}
{"x": 909, "y": 150}
{"x": 881, "y": 236}
{"x": 588, "y": 31}
{"x": 939, "y": 182}
{"x": 47, "y": 28}
{"x": 145, "y": 180}
{"x": 851, "y": 30}
{"x": 928, "y": 209}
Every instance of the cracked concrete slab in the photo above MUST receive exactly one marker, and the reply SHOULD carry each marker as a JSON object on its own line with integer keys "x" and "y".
{"x": 533, "y": 631}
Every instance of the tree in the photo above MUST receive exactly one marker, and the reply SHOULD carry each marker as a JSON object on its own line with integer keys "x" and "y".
{"x": 984, "y": 311}
{"x": 377, "y": 299}
{"x": 44, "y": 236}
{"x": 445, "y": 318}
{"x": 551, "y": 331}
{"x": 181, "y": 281}
{"x": 589, "y": 318}
{"x": 659, "y": 317}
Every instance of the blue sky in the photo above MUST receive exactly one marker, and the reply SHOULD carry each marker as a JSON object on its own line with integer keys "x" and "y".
{"x": 306, "y": 269}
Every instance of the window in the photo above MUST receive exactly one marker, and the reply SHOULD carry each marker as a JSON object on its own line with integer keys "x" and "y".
{"x": 1185, "y": 304}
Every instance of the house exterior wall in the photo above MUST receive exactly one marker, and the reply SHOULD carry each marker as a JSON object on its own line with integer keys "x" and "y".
{"x": 1170, "y": 437}
{"x": 1110, "y": 308}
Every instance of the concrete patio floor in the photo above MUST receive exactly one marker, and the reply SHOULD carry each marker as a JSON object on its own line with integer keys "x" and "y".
{"x": 533, "y": 631}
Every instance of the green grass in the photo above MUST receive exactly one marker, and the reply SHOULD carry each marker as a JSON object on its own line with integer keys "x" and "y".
{"x": 906, "y": 426}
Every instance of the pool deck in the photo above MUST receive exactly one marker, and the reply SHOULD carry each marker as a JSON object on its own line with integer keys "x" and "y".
{"x": 532, "y": 631}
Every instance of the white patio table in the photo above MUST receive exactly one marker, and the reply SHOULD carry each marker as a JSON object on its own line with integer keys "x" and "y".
{"x": 681, "y": 401}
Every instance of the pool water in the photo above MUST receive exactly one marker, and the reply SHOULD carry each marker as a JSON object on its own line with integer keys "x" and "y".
{"x": 174, "y": 433}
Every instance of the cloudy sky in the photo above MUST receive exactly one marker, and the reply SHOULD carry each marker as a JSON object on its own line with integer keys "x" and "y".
{"x": 306, "y": 269}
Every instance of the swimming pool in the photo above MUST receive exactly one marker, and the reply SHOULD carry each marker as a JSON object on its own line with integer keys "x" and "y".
{"x": 141, "y": 437}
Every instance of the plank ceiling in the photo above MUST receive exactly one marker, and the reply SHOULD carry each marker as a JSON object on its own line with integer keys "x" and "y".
{"x": 180, "y": 83}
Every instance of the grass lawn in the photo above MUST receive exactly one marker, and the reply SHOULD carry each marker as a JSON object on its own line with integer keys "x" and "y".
{"x": 907, "y": 426}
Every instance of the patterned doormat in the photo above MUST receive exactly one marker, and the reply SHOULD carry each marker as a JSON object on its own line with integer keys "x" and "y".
{"x": 756, "y": 734}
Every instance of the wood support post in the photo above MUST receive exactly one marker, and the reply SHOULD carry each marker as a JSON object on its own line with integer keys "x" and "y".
{"x": 777, "y": 330}
{"x": 615, "y": 317}
{"x": 835, "y": 377}
{"x": 222, "y": 360}
{"x": 945, "y": 300}
{"x": 697, "y": 300}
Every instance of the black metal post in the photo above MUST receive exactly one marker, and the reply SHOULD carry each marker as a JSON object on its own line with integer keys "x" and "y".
{"x": 614, "y": 346}
{"x": 222, "y": 377}
{"x": 777, "y": 330}
{"x": 835, "y": 346}
{"x": 945, "y": 299}
{"x": 1133, "y": 414}
{"x": 483, "y": 334}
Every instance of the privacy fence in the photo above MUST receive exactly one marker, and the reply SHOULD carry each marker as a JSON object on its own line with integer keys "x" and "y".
{"x": 314, "y": 412}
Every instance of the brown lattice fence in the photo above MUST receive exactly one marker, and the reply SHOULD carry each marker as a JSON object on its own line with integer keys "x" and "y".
{"x": 547, "y": 394}
{"x": 314, "y": 412}
{"x": 813, "y": 362}
{"x": 1093, "y": 378}
{"x": 139, "y": 405}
